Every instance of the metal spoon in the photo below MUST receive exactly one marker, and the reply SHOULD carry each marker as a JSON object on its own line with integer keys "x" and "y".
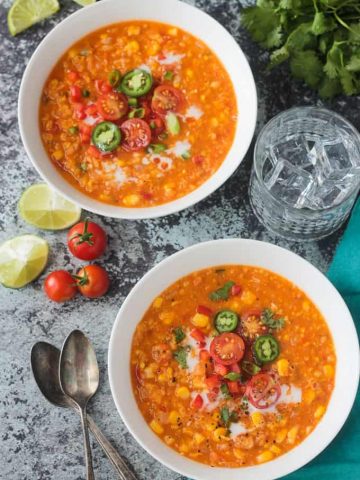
{"x": 79, "y": 380}
{"x": 45, "y": 359}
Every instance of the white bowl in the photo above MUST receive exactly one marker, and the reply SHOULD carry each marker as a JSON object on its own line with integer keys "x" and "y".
{"x": 248, "y": 252}
{"x": 106, "y": 12}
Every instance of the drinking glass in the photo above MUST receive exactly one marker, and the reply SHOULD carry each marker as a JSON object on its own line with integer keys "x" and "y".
{"x": 306, "y": 173}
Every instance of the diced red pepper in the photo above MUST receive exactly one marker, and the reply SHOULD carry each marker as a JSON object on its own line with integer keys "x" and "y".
{"x": 204, "y": 356}
{"x": 72, "y": 76}
{"x": 198, "y": 402}
{"x": 220, "y": 369}
{"x": 84, "y": 138}
{"x": 102, "y": 86}
{"x": 94, "y": 152}
{"x": 213, "y": 394}
{"x": 198, "y": 159}
{"x": 233, "y": 387}
{"x": 204, "y": 310}
{"x": 197, "y": 335}
{"x": 213, "y": 381}
{"x": 235, "y": 290}
{"x": 235, "y": 368}
{"x": 75, "y": 93}
{"x": 79, "y": 111}
{"x": 91, "y": 109}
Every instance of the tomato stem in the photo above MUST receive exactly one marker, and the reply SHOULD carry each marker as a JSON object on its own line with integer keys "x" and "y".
{"x": 85, "y": 236}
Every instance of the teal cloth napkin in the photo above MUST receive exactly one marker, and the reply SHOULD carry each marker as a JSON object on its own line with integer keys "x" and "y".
{"x": 341, "y": 460}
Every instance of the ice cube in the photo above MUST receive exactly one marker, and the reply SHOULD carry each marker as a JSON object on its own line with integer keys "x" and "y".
{"x": 342, "y": 155}
{"x": 332, "y": 191}
{"x": 289, "y": 183}
{"x": 294, "y": 149}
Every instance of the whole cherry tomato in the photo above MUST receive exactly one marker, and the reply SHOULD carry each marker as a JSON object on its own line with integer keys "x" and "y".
{"x": 60, "y": 286}
{"x": 93, "y": 281}
{"x": 87, "y": 240}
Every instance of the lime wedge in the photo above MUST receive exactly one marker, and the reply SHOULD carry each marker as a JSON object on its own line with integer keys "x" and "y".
{"x": 22, "y": 259}
{"x": 25, "y": 13}
{"x": 39, "y": 205}
{"x": 83, "y": 3}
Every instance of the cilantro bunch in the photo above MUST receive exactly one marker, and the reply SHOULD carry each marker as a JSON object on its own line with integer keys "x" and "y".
{"x": 319, "y": 38}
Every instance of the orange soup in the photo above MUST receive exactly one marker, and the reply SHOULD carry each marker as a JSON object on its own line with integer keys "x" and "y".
{"x": 232, "y": 366}
{"x": 138, "y": 114}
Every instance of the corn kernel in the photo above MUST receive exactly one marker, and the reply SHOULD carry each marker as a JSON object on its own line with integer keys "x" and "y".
{"x": 292, "y": 434}
{"x": 319, "y": 412}
{"x": 169, "y": 440}
{"x": 216, "y": 416}
{"x": 328, "y": 371}
{"x": 167, "y": 317}
{"x": 214, "y": 122}
{"x": 257, "y": 418}
{"x": 219, "y": 434}
{"x": 72, "y": 53}
{"x": 173, "y": 31}
{"x": 275, "y": 449}
{"x": 153, "y": 49}
{"x": 132, "y": 47}
{"x": 281, "y": 435}
{"x": 131, "y": 200}
{"x": 264, "y": 456}
{"x": 169, "y": 373}
{"x": 189, "y": 73}
{"x": 183, "y": 448}
{"x": 173, "y": 417}
{"x": 199, "y": 438}
{"x": 309, "y": 396}
{"x": 248, "y": 297}
{"x": 156, "y": 427}
{"x": 183, "y": 393}
{"x": 306, "y": 305}
{"x": 239, "y": 454}
{"x": 58, "y": 154}
{"x": 133, "y": 30}
{"x": 283, "y": 367}
{"x": 200, "y": 320}
{"x": 157, "y": 302}
{"x": 162, "y": 378}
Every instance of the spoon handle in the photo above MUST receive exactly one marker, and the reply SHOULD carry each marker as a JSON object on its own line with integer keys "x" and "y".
{"x": 88, "y": 457}
{"x": 120, "y": 466}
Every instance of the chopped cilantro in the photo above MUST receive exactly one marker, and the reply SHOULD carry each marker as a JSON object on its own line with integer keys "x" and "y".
{"x": 225, "y": 391}
{"x": 180, "y": 356}
{"x": 250, "y": 368}
{"x": 268, "y": 318}
{"x": 232, "y": 376}
{"x": 227, "y": 417}
{"x": 179, "y": 334}
{"x": 222, "y": 293}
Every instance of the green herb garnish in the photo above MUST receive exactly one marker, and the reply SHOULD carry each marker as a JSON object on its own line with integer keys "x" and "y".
{"x": 186, "y": 155}
{"x": 320, "y": 39}
{"x": 137, "y": 113}
{"x": 114, "y": 78}
{"x": 180, "y": 356}
{"x": 169, "y": 75}
{"x": 222, "y": 293}
{"x": 133, "y": 103}
{"x": 156, "y": 148}
{"x": 250, "y": 367}
{"x": 179, "y": 334}
{"x": 224, "y": 389}
{"x": 244, "y": 405}
{"x": 268, "y": 318}
{"x": 227, "y": 417}
{"x": 73, "y": 130}
{"x": 232, "y": 376}
{"x": 85, "y": 93}
{"x": 83, "y": 166}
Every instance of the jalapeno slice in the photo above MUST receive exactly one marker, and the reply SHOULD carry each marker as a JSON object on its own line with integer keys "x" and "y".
{"x": 266, "y": 348}
{"x": 106, "y": 136}
{"x": 226, "y": 321}
{"x": 136, "y": 83}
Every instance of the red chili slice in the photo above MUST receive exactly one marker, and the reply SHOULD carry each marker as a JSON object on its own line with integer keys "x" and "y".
{"x": 75, "y": 93}
{"x": 167, "y": 99}
{"x": 198, "y": 335}
{"x": 136, "y": 134}
{"x": 112, "y": 106}
{"x": 262, "y": 390}
{"x": 235, "y": 290}
{"x": 227, "y": 348}
{"x": 198, "y": 402}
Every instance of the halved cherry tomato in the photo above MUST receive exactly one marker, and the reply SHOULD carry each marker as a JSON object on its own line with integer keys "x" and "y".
{"x": 198, "y": 335}
{"x": 227, "y": 348}
{"x": 167, "y": 99}
{"x": 262, "y": 390}
{"x": 234, "y": 387}
{"x": 204, "y": 310}
{"x": 92, "y": 281}
{"x": 136, "y": 134}
{"x": 235, "y": 290}
{"x": 204, "y": 356}
{"x": 161, "y": 353}
{"x": 87, "y": 240}
{"x": 198, "y": 402}
{"x": 75, "y": 93}
{"x": 220, "y": 369}
{"x": 112, "y": 106}
{"x": 60, "y": 286}
{"x": 213, "y": 381}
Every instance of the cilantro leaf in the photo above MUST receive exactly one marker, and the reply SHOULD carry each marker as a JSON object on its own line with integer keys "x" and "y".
{"x": 278, "y": 56}
{"x": 180, "y": 356}
{"x": 329, "y": 87}
{"x": 263, "y": 24}
{"x": 222, "y": 293}
{"x": 349, "y": 83}
{"x": 232, "y": 376}
{"x": 250, "y": 368}
{"x": 354, "y": 33}
{"x": 334, "y": 61}
{"x": 226, "y": 417}
{"x": 178, "y": 334}
{"x": 225, "y": 391}
{"x": 306, "y": 65}
{"x": 322, "y": 24}
{"x": 353, "y": 64}
{"x": 268, "y": 318}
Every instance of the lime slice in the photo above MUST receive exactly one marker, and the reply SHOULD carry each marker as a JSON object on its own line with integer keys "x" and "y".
{"x": 25, "y": 13}
{"x": 39, "y": 205}
{"x": 22, "y": 259}
{"x": 83, "y": 3}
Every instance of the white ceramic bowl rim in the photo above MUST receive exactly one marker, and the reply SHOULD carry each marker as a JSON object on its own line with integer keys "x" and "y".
{"x": 248, "y": 252}
{"x": 106, "y": 12}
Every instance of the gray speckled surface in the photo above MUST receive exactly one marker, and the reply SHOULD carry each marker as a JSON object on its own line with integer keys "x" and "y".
{"x": 38, "y": 441}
